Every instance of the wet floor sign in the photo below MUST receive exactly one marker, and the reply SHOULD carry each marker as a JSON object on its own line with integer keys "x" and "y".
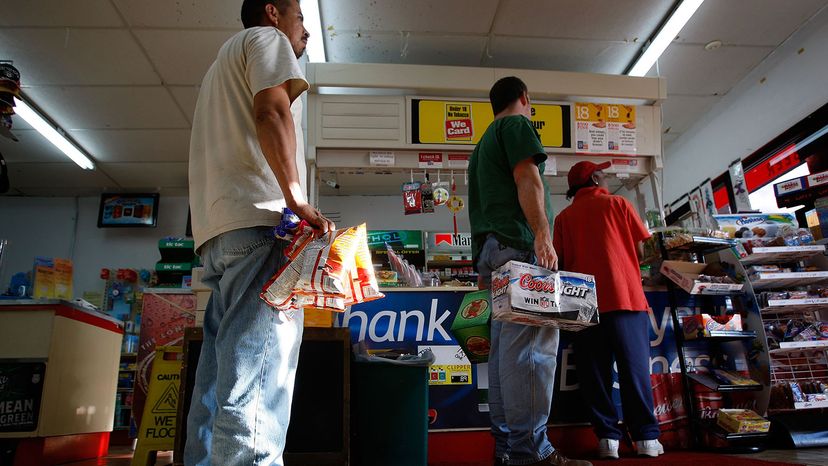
{"x": 157, "y": 431}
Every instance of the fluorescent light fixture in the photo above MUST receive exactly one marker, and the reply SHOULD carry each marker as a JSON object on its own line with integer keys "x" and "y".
{"x": 313, "y": 23}
{"x": 51, "y": 133}
{"x": 668, "y": 32}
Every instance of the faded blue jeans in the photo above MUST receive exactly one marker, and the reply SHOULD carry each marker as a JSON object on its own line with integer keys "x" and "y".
{"x": 522, "y": 363}
{"x": 244, "y": 383}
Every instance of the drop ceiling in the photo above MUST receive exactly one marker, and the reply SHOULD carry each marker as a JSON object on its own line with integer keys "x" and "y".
{"x": 121, "y": 76}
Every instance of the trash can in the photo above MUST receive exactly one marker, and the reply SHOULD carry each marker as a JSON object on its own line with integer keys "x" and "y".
{"x": 390, "y": 410}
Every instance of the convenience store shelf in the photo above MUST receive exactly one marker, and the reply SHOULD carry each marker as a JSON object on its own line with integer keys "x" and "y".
{"x": 770, "y": 280}
{"x": 810, "y": 404}
{"x": 723, "y": 335}
{"x": 125, "y": 390}
{"x": 779, "y": 306}
{"x": 704, "y": 245}
{"x": 717, "y": 430}
{"x": 710, "y": 382}
{"x": 782, "y": 254}
{"x": 788, "y": 346}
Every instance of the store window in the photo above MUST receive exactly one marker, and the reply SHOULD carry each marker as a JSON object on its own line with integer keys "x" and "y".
{"x": 764, "y": 198}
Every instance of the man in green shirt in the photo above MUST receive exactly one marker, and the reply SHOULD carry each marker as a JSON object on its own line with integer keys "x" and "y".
{"x": 510, "y": 215}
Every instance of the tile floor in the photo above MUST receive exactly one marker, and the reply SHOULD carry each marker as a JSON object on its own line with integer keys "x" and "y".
{"x": 814, "y": 456}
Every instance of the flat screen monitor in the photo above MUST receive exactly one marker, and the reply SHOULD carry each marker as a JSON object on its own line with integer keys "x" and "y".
{"x": 128, "y": 210}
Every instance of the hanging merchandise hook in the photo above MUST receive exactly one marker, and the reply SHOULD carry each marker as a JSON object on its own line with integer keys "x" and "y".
{"x": 425, "y": 174}
{"x": 438, "y": 176}
{"x": 412, "y": 175}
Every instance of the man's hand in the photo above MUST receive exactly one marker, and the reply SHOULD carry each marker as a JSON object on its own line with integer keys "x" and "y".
{"x": 545, "y": 253}
{"x": 306, "y": 212}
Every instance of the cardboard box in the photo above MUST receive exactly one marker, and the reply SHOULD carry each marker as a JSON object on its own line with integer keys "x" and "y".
{"x": 199, "y": 318}
{"x": 700, "y": 325}
{"x": 741, "y": 421}
{"x": 686, "y": 274}
{"x": 817, "y": 220}
{"x": 195, "y": 283}
{"x": 202, "y": 298}
{"x": 318, "y": 317}
{"x": 531, "y": 295}
{"x": 471, "y": 326}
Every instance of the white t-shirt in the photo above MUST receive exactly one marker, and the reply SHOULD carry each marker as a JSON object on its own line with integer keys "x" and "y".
{"x": 231, "y": 184}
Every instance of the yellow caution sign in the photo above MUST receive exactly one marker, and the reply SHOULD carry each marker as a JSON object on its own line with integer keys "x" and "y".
{"x": 157, "y": 430}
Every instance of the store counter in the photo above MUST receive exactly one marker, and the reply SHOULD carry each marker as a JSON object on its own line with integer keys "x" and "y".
{"x": 58, "y": 378}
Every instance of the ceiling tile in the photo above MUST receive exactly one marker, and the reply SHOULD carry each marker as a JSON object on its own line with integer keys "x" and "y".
{"x": 182, "y": 57}
{"x": 182, "y": 14}
{"x": 167, "y": 145}
{"x": 109, "y": 107}
{"x": 454, "y": 17}
{"x": 692, "y": 70}
{"x": 560, "y": 54}
{"x": 32, "y": 147}
{"x": 186, "y": 96}
{"x": 627, "y": 20}
{"x": 148, "y": 175}
{"x": 681, "y": 112}
{"x": 748, "y": 22}
{"x": 55, "y": 175}
{"x": 59, "y": 13}
{"x": 419, "y": 49}
{"x": 76, "y": 57}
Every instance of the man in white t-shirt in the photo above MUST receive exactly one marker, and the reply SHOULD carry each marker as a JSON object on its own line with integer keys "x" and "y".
{"x": 246, "y": 164}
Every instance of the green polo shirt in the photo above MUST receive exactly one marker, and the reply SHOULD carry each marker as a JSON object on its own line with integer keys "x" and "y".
{"x": 493, "y": 196}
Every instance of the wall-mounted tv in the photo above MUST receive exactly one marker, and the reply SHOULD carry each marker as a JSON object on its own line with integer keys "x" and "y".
{"x": 128, "y": 210}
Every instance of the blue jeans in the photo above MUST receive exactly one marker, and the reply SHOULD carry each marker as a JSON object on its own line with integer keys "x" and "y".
{"x": 522, "y": 363}
{"x": 622, "y": 336}
{"x": 244, "y": 383}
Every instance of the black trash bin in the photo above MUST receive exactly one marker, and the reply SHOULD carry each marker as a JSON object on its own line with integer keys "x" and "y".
{"x": 390, "y": 410}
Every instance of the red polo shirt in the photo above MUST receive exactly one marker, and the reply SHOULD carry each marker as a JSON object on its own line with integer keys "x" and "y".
{"x": 597, "y": 235}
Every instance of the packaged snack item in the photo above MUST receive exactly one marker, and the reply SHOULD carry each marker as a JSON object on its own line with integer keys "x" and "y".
{"x": 741, "y": 421}
{"x": 704, "y": 325}
{"x": 428, "y": 198}
{"x": 796, "y": 391}
{"x": 731, "y": 378}
{"x": 412, "y": 198}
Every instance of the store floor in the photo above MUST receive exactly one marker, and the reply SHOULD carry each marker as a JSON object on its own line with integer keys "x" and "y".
{"x": 814, "y": 456}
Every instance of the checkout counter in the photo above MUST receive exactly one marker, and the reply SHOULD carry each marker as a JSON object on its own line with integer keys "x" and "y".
{"x": 58, "y": 379}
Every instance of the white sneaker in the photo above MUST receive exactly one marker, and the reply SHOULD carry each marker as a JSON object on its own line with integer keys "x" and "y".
{"x": 651, "y": 448}
{"x": 608, "y": 448}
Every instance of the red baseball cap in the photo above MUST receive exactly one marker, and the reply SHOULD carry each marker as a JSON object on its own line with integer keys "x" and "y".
{"x": 580, "y": 173}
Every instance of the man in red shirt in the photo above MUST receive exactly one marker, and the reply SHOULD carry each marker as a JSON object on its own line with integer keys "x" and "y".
{"x": 600, "y": 234}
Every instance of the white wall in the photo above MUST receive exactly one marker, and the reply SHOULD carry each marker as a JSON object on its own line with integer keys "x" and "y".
{"x": 46, "y": 227}
{"x": 753, "y": 113}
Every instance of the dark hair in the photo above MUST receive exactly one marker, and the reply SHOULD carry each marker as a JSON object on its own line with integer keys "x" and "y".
{"x": 574, "y": 190}
{"x": 252, "y": 11}
{"x": 505, "y": 91}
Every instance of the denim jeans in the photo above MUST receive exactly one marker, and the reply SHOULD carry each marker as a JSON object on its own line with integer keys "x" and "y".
{"x": 522, "y": 363}
{"x": 244, "y": 383}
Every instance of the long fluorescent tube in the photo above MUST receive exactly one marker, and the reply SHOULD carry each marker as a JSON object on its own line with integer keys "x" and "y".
{"x": 313, "y": 23}
{"x": 665, "y": 36}
{"x": 49, "y": 132}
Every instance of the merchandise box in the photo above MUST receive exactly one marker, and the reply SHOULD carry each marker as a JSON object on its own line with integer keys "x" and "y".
{"x": 702, "y": 325}
{"x": 817, "y": 220}
{"x": 318, "y": 317}
{"x": 471, "y": 326}
{"x": 686, "y": 274}
{"x": 202, "y": 298}
{"x": 742, "y": 421}
{"x": 531, "y": 295}
{"x": 196, "y": 283}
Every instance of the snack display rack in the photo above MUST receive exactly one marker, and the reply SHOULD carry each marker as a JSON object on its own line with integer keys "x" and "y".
{"x": 728, "y": 349}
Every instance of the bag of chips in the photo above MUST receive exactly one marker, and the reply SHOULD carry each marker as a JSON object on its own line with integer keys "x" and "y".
{"x": 331, "y": 271}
